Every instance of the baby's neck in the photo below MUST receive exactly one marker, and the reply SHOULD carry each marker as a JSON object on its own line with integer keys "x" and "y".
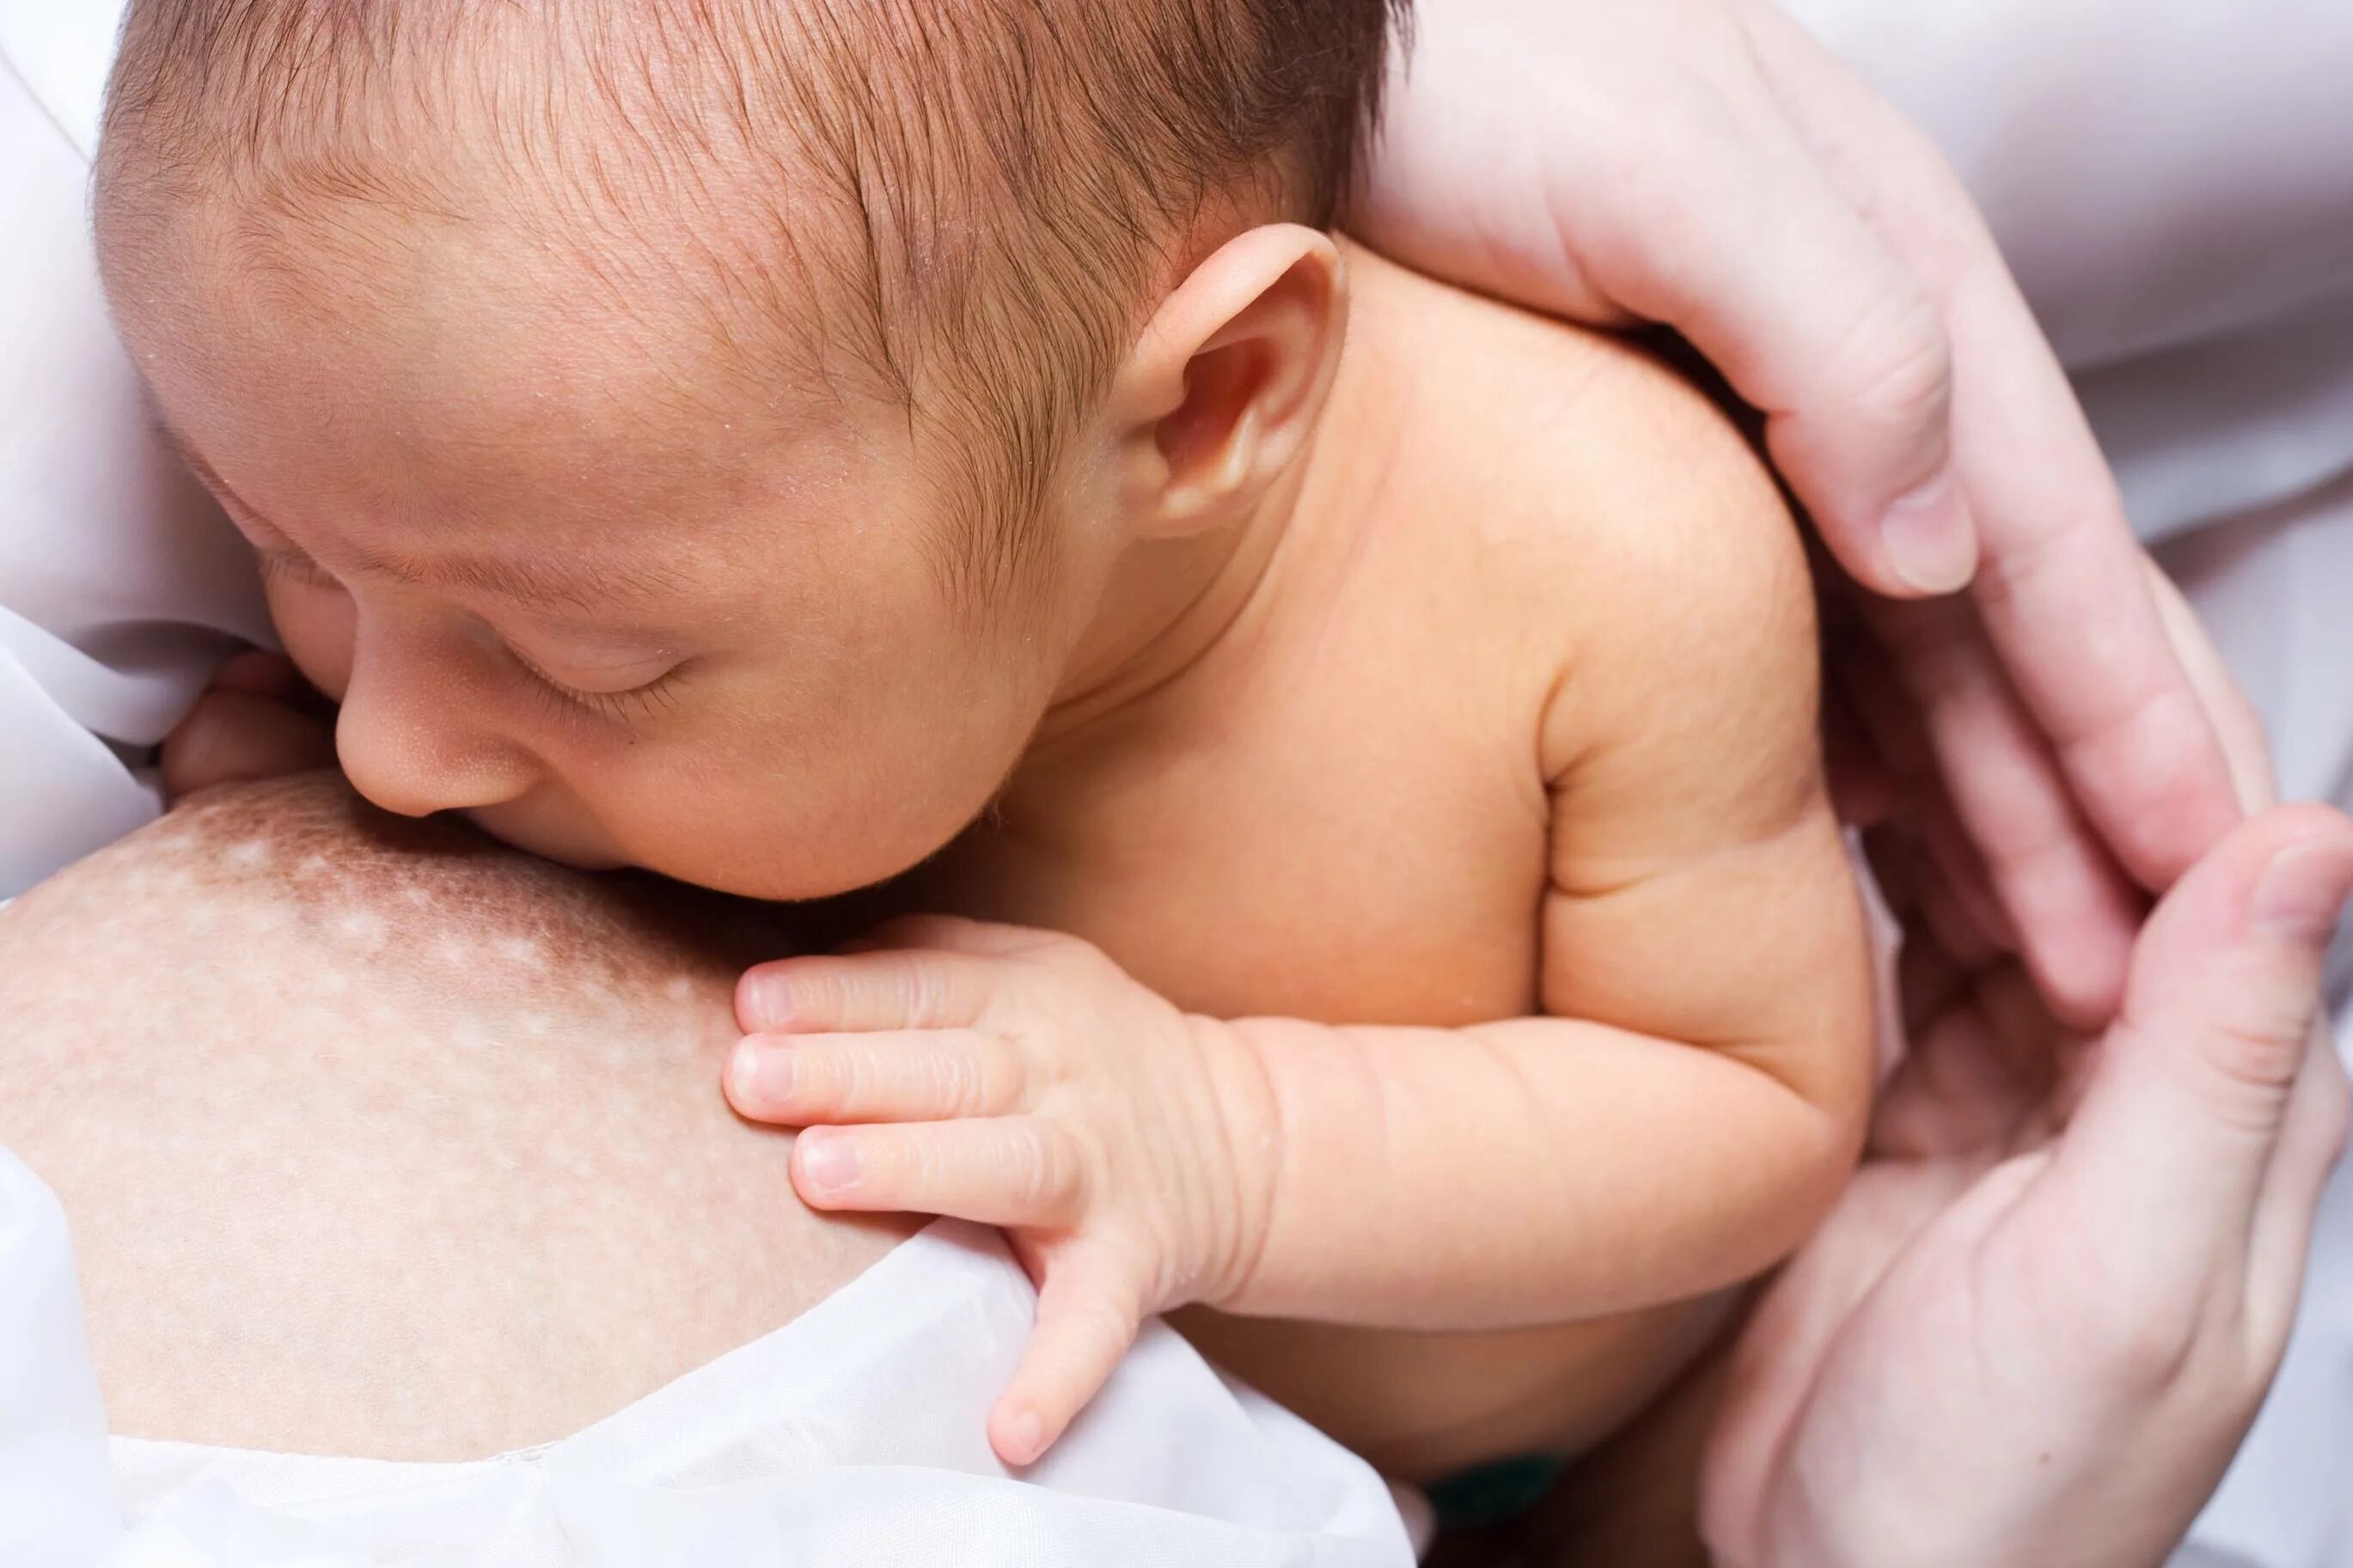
{"x": 1172, "y": 604}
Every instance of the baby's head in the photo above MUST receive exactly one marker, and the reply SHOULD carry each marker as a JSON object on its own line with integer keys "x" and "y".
{"x": 710, "y": 434}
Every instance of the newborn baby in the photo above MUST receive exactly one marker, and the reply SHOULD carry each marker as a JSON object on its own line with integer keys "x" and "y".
{"x": 801, "y": 447}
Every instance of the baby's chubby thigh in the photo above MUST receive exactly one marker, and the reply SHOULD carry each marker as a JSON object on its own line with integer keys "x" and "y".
{"x": 376, "y": 1137}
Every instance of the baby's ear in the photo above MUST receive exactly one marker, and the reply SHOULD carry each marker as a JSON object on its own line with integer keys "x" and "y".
{"x": 1220, "y": 395}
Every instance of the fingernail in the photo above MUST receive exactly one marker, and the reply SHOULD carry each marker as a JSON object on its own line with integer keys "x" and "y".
{"x": 768, "y": 998}
{"x": 829, "y": 1161}
{"x": 2302, "y": 892}
{"x": 762, "y": 1072}
{"x": 1028, "y": 1437}
{"x": 1930, "y": 542}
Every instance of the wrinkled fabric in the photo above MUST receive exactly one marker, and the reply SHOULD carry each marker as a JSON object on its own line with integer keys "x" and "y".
{"x": 852, "y": 1438}
{"x": 56, "y": 1509}
{"x": 121, "y": 584}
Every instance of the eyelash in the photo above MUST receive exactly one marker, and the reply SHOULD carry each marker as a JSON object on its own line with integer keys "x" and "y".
{"x": 567, "y": 702}
{"x": 276, "y": 567}
{"x": 615, "y": 707}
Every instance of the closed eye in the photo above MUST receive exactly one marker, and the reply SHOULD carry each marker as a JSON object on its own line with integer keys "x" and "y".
{"x": 635, "y": 702}
{"x": 291, "y": 567}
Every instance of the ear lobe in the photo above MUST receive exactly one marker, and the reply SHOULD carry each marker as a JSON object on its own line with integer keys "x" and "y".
{"x": 1226, "y": 384}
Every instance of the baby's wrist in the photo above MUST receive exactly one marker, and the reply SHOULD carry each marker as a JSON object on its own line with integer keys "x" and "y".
{"x": 1246, "y": 1201}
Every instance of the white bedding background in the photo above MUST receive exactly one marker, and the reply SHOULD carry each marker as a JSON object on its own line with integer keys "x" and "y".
{"x": 853, "y": 1437}
{"x": 2173, "y": 180}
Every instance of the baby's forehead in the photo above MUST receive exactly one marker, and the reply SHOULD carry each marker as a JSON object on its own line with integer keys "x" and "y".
{"x": 594, "y": 170}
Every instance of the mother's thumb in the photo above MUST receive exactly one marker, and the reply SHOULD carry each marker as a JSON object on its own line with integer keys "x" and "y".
{"x": 2194, "y": 1082}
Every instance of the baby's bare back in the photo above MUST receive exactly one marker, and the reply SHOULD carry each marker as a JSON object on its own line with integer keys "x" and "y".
{"x": 379, "y": 1138}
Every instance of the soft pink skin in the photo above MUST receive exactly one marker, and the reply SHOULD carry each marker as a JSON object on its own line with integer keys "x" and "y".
{"x": 290, "y": 1066}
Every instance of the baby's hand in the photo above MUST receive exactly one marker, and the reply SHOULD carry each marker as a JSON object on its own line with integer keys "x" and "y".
{"x": 258, "y": 720}
{"x": 1019, "y": 1078}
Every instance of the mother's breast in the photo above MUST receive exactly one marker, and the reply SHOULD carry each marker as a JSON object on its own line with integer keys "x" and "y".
{"x": 379, "y": 1138}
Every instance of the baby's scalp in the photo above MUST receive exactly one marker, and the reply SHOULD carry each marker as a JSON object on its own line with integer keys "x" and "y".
{"x": 960, "y": 207}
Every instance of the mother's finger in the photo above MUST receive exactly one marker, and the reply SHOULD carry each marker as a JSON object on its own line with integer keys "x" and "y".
{"x": 2174, "y": 1141}
{"x": 2312, "y": 1139}
{"x": 2061, "y": 582}
{"x": 2073, "y": 911}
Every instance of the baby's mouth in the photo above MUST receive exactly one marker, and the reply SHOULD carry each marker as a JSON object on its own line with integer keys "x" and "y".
{"x": 537, "y": 839}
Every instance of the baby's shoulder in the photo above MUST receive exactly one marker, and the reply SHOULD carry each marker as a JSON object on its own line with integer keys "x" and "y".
{"x": 1589, "y": 484}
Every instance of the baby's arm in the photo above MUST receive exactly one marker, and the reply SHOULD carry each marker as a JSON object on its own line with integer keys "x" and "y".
{"x": 1695, "y": 1101}
{"x": 1687, "y": 1112}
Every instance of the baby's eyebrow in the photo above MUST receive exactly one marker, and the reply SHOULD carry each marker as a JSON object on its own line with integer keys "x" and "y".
{"x": 551, "y": 584}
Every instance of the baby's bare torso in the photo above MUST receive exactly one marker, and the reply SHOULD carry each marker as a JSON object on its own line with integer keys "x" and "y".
{"x": 1340, "y": 814}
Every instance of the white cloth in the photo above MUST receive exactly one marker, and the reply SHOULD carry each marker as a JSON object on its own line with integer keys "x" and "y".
{"x": 853, "y": 1437}
{"x": 121, "y": 585}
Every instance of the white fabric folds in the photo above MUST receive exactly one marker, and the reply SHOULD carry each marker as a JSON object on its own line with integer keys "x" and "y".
{"x": 852, "y": 1438}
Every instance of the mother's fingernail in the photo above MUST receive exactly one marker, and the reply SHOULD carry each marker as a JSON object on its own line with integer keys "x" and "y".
{"x": 830, "y": 1160}
{"x": 1025, "y": 1438}
{"x": 1930, "y": 541}
{"x": 2301, "y": 894}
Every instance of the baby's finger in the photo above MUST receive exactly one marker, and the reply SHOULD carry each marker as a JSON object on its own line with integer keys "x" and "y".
{"x": 924, "y": 1075}
{"x": 855, "y": 993}
{"x": 1088, "y": 1312}
{"x": 954, "y": 934}
{"x": 1008, "y": 1170}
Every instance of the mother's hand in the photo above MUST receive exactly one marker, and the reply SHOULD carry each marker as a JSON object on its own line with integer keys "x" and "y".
{"x": 1705, "y": 164}
{"x": 2041, "y": 1322}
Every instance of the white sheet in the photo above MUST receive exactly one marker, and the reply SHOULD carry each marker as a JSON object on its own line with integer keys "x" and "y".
{"x": 120, "y": 584}
{"x": 853, "y": 1437}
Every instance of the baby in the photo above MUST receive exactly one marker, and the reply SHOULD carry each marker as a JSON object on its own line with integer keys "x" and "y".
{"x": 1345, "y": 751}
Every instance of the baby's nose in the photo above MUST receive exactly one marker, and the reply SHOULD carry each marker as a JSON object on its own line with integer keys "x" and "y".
{"x": 414, "y": 762}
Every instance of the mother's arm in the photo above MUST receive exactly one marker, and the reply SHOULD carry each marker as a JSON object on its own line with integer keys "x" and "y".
{"x": 287, "y": 1065}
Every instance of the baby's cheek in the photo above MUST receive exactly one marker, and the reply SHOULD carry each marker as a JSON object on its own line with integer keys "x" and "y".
{"x": 316, "y": 624}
